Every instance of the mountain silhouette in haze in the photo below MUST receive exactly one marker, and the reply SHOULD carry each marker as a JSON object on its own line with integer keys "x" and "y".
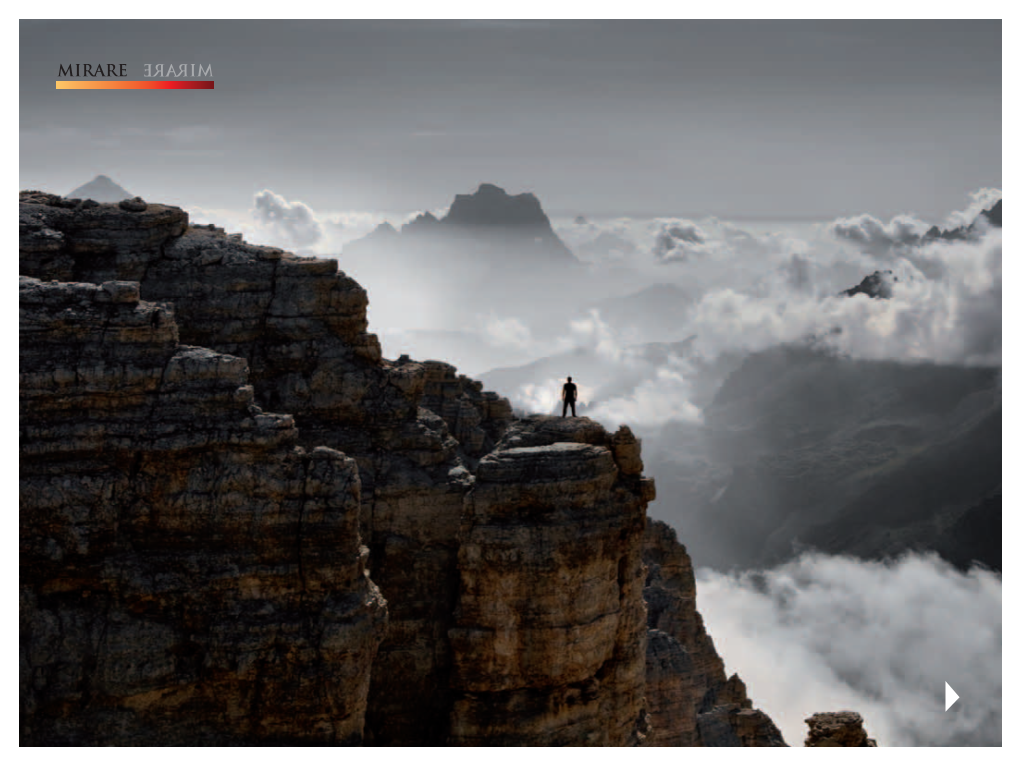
{"x": 993, "y": 216}
{"x": 801, "y": 448}
{"x": 101, "y": 189}
{"x": 489, "y": 225}
{"x": 877, "y": 285}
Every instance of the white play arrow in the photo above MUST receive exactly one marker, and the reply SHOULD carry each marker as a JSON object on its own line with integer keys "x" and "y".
{"x": 951, "y": 696}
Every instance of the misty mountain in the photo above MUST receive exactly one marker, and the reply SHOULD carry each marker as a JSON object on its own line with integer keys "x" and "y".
{"x": 802, "y": 448}
{"x": 492, "y": 252}
{"x": 654, "y": 313}
{"x": 992, "y": 216}
{"x": 102, "y": 189}
{"x": 876, "y": 285}
{"x": 489, "y": 226}
{"x": 607, "y": 244}
{"x": 904, "y": 235}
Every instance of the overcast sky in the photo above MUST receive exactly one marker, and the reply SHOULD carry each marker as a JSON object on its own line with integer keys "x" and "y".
{"x": 737, "y": 119}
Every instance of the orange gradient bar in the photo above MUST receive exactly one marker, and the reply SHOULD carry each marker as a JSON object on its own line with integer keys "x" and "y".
{"x": 135, "y": 85}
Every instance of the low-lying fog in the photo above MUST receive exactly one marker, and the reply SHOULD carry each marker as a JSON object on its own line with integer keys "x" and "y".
{"x": 799, "y": 438}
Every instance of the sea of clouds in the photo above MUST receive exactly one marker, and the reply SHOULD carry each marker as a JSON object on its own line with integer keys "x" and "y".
{"x": 752, "y": 286}
{"x": 825, "y": 633}
{"x": 819, "y": 633}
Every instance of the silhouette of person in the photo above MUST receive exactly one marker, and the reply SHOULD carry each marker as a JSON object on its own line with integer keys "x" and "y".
{"x": 569, "y": 396}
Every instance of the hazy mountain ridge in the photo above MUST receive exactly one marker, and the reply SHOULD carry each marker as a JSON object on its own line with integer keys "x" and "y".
{"x": 488, "y": 226}
{"x": 859, "y": 457}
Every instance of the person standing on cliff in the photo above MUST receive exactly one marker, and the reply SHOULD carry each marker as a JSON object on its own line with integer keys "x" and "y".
{"x": 569, "y": 396}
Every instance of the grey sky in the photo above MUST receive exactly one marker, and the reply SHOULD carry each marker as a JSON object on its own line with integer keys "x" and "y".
{"x": 736, "y": 119}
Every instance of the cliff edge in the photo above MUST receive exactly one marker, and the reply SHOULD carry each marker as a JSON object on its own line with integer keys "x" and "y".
{"x": 240, "y": 524}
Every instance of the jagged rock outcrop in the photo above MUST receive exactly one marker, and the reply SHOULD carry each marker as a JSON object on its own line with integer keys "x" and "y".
{"x": 690, "y": 700}
{"x": 990, "y": 217}
{"x": 550, "y": 621}
{"x": 477, "y": 419}
{"x": 187, "y": 574}
{"x": 837, "y": 729}
{"x": 70, "y": 240}
{"x": 876, "y": 285}
{"x": 193, "y": 568}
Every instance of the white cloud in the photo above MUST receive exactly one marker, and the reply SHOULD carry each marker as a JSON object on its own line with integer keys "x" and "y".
{"x": 982, "y": 199}
{"x": 663, "y": 397}
{"x": 507, "y": 332}
{"x": 825, "y": 633}
{"x": 952, "y": 318}
{"x": 294, "y": 221}
{"x": 879, "y": 238}
{"x": 591, "y": 331}
{"x": 752, "y": 286}
{"x": 538, "y": 398}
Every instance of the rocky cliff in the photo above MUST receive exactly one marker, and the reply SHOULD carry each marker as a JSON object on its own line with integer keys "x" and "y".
{"x": 691, "y": 701}
{"x": 188, "y": 574}
{"x": 394, "y": 559}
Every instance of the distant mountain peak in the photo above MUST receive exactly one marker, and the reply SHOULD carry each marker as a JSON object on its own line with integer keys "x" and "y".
{"x": 486, "y": 225}
{"x": 490, "y": 205}
{"x": 425, "y": 220}
{"x": 102, "y": 189}
{"x": 993, "y": 216}
{"x": 877, "y": 285}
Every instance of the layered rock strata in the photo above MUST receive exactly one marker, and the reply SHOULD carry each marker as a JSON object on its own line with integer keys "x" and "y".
{"x": 549, "y": 632}
{"x": 188, "y": 575}
{"x": 477, "y": 418}
{"x": 837, "y": 729}
{"x": 691, "y": 702}
{"x": 203, "y": 559}
{"x": 300, "y": 324}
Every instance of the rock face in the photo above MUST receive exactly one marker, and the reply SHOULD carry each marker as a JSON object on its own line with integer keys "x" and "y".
{"x": 690, "y": 700}
{"x": 549, "y": 620}
{"x": 188, "y": 575}
{"x": 476, "y": 418}
{"x": 70, "y": 240}
{"x": 196, "y": 570}
{"x": 837, "y": 729}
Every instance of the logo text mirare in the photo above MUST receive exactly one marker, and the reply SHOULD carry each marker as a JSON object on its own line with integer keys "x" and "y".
{"x": 120, "y": 70}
